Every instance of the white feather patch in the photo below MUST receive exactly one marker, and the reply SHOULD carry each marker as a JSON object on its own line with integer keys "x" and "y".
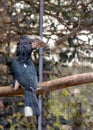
{"x": 25, "y": 65}
{"x": 28, "y": 111}
{"x": 16, "y": 86}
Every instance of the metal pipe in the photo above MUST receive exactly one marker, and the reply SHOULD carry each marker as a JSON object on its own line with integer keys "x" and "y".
{"x": 40, "y": 60}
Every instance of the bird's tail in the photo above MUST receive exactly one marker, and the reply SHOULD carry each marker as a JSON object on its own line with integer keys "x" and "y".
{"x": 31, "y": 103}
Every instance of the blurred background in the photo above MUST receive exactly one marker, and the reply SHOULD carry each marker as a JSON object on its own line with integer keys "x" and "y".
{"x": 68, "y": 31}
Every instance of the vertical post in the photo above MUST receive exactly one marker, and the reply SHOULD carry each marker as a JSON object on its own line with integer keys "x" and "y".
{"x": 40, "y": 61}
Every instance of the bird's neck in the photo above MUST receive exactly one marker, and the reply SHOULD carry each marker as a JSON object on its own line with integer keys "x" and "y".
{"x": 23, "y": 59}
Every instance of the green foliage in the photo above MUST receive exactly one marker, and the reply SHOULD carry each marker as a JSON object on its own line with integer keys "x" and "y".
{"x": 74, "y": 104}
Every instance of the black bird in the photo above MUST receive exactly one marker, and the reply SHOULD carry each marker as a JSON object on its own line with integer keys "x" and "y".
{"x": 24, "y": 73}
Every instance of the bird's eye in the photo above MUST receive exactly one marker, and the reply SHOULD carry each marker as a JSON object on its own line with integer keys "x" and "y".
{"x": 31, "y": 43}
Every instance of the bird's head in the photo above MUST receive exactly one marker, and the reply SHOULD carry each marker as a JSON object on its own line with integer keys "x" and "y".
{"x": 27, "y": 44}
{"x": 34, "y": 41}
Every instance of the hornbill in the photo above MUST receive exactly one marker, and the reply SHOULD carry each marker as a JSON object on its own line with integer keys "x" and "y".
{"x": 24, "y": 73}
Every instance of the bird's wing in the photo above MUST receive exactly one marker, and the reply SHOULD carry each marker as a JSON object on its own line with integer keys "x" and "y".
{"x": 24, "y": 74}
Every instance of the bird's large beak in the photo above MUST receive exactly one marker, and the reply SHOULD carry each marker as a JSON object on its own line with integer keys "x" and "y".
{"x": 37, "y": 43}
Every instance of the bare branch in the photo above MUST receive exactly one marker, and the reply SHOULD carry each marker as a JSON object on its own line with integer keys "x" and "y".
{"x": 52, "y": 85}
{"x": 66, "y": 37}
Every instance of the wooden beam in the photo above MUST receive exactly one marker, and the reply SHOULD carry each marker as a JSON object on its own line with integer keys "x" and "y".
{"x": 51, "y": 85}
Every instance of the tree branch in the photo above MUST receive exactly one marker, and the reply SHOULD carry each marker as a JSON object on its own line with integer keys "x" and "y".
{"x": 64, "y": 38}
{"x": 51, "y": 85}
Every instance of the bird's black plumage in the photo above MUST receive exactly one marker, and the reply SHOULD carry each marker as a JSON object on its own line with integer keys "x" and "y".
{"x": 23, "y": 71}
